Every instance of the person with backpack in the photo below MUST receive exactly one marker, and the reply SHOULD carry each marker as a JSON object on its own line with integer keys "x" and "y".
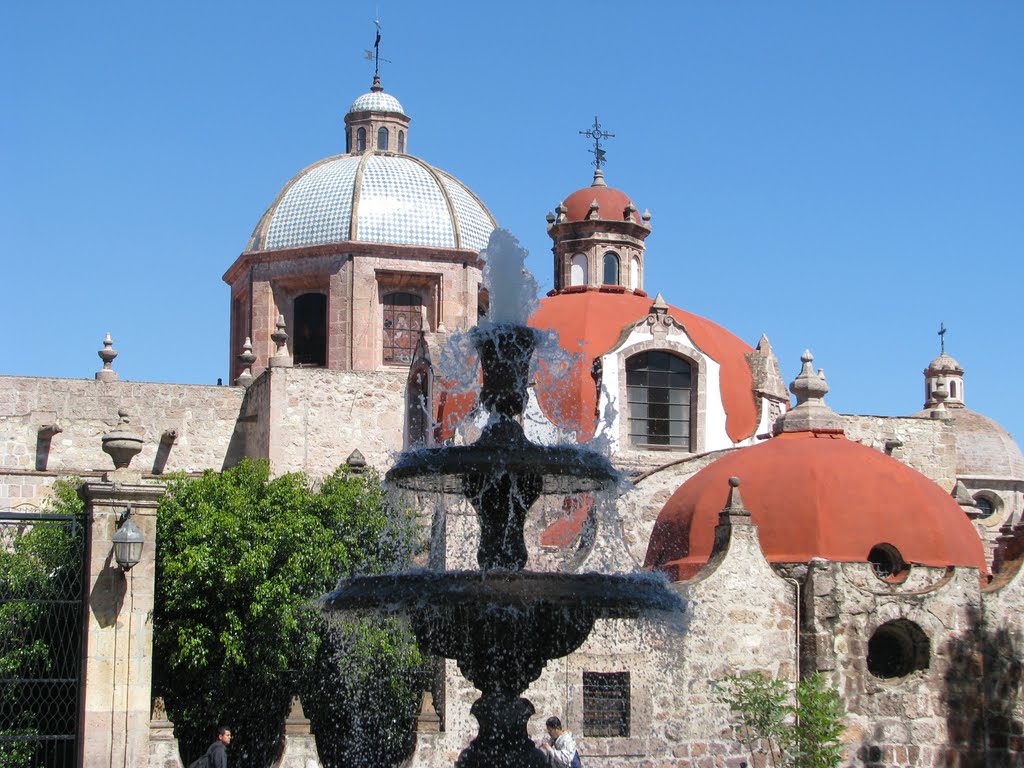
{"x": 560, "y": 746}
{"x": 217, "y": 755}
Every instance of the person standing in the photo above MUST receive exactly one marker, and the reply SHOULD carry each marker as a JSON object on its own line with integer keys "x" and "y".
{"x": 560, "y": 746}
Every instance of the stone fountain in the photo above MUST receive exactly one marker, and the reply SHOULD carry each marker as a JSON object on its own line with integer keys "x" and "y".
{"x": 503, "y": 623}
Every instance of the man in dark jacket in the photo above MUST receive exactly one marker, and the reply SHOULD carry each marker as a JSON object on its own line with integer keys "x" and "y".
{"x": 217, "y": 755}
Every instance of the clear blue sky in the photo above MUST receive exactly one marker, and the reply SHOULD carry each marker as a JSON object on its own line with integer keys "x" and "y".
{"x": 842, "y": 176}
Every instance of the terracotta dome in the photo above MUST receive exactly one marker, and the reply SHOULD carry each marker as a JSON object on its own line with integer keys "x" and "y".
{"x": 611, "y": 202}
{"x": 589, "y": 323}
{"x": 816, "y": 494}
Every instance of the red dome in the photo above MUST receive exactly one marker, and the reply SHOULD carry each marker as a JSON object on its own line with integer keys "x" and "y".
{"x": 611, "y": 204}
{"x": 815, "y": 494}
{"x": 589, "y": 323}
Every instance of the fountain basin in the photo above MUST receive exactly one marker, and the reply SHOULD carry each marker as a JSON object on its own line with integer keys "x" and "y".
{"x": 563, "y": 470}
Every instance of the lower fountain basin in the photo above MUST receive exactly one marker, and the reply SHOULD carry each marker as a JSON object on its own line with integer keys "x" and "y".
{"x": 503, "y": 626}
{"x": 607, "y": 596}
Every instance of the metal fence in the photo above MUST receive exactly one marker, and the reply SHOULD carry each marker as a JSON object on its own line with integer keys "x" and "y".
{"x": 42, "y": 559}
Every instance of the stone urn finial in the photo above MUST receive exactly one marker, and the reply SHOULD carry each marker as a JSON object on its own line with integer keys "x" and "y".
{"x": 247, "y": 358}
{"x": 122, "y": 444}
{"x": 280, "y": 338}
{"x": 107, "y": 355}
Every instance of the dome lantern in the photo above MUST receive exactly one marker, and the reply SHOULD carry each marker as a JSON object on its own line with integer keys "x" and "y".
{"x": 376, "y": 122}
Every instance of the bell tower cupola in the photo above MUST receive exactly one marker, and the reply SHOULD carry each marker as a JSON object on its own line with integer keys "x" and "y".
{"x": 944, "y": 372}
{"x": 598, "y": 233}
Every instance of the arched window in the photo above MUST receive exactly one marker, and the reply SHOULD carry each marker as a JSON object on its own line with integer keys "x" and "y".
{"x": 382, "y": 138}
{"x": 659, "y": 393}
{"x": 309, "y": 342}
{"x": 952, "y": 389}
{"x": 401, "y": 141}
{"x": 634, "y": 273}
{"x": 578, "y": 270}
{"x": 348, "y": 141}
{"x": 361, "y": 140}
{"x": 403, "y": 321}
{"x": 611, "y": 268}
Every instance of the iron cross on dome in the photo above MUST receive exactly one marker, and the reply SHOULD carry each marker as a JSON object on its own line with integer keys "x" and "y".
{"x": 597, "y": 134}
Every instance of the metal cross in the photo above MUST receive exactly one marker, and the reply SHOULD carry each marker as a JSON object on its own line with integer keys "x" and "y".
{"x": 597, "y": 134}
{"x": 942, "y": 338}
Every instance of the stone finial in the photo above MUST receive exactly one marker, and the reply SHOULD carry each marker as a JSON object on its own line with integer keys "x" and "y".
{"x": 808, "y": 386}
{"x": 247, "y": 358}
{"x": 561, "y": 212}
{"x": 659, "y": 307}
{"x": 356, "y": 462}
{"x": 280, "y": 338}
{"x": 107, "y": 355}
{"x": 646, "y": 217}
{"x": 599, "y": 179}
{"x": 811, "y": 412}
{"x": 595, "y": 210}
{"x": 628, "y": 211}
{"x": 550, "y": 219}
{"x": 123, "y": 443}
{"x": 734, "y": 505}
{"x": 962, "y": 496}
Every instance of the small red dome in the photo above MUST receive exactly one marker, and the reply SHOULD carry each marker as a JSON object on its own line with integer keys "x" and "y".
{"x": 815, "y": 494}
{"x": 589, "y": 323}
{"x": 611, "y": 204}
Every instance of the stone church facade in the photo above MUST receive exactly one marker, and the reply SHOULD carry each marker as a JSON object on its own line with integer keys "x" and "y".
{"x": 884, "y": 552}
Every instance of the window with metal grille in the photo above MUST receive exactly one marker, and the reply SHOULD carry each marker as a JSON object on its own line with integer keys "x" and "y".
{"x": 658, "y": 393}
{"x": 606, "y": 703}
{"x": 403, "y": 321}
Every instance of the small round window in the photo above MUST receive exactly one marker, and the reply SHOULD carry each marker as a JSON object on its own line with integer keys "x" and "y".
{"x": 898, "y": 648}
{"x": 985, "y": 506}
{"x": 887, "y": 563}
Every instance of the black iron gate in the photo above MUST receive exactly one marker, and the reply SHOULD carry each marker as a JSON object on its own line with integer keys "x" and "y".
{"x": 42, "y": 560}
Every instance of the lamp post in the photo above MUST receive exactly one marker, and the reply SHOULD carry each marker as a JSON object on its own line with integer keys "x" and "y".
{"x": 128, "y": 541}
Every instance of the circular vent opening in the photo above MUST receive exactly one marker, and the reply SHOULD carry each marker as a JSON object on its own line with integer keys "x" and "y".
{"x": 888, "y": 564}
{"x": 898, "y": 648}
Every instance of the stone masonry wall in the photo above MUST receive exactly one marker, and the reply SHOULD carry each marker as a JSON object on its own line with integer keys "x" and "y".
{"x": 913, "y": 720}
{"x": 319, "y": 416}
{"x": 204, "y": 418}
{"x": 928, "y": 445}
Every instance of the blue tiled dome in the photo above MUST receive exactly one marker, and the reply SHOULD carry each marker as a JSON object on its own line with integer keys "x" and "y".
{"x": 377, "y": 101}
{"x": 378, "y": 198}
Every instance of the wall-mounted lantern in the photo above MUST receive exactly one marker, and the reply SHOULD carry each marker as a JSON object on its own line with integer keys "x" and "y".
{"x": 128, "y": 541}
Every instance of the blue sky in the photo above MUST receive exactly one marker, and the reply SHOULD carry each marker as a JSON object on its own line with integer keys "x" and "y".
{"x": 842, "y": 176}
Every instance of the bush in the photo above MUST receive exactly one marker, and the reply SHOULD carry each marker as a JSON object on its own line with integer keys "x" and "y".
{"x": 801, "y": 734}
{"x": 240, "y": 560}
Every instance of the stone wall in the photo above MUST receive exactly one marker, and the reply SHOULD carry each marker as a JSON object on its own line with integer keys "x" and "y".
{"x": 906, "y": 720}
{"x": 203, "y": 419}
{"x": 318, "y": 416}
{"x": 927, "y": 445}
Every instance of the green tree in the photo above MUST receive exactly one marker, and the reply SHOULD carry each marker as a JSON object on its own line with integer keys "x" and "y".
{"x": 802, "y": 732}
{"x": 241, "y": 559}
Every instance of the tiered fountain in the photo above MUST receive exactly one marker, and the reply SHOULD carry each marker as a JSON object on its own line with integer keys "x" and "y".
{"x": 503, "y": 623}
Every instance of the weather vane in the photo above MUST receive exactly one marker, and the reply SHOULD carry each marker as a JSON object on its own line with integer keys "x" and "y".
{"x": 597, "y": 134}
{"x": 374, "y": 55}
{"x": 942, "y": 338}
